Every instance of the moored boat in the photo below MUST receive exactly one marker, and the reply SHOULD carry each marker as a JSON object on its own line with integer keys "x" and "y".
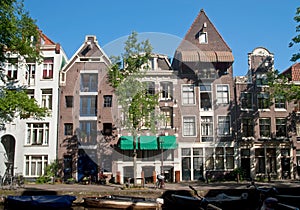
{"x": 123, "y": 202}
{"x": 39, "y": 202}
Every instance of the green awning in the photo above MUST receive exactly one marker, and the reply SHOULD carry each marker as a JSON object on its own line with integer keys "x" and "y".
{"x": 126, "y": 142}
{"x": 148, "y": 143}
{"x": 168, "y": 142}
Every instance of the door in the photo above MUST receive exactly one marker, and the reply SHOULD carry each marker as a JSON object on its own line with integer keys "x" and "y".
{"x": 245, "y": 165}
{"x": 186, "y": 168}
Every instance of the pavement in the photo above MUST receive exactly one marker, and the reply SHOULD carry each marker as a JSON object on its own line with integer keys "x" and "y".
{"x": 201, "y": 186}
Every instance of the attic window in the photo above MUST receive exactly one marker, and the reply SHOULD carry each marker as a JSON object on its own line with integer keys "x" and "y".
{"x": 202, "y": 37}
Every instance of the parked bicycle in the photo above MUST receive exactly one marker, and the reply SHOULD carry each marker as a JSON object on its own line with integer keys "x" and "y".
{"x": 268, "y": 198}
{"x": 12, "y": 182}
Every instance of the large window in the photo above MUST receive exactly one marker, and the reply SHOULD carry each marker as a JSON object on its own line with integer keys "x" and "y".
{"x": 246, "y": 100}
{"x": 37, "y": 134}
{"x": 229, "y": 157}
{"x": 260, "y": 161}
{"x": 223, "y": 125}
{"x": 166, "y": 90}
{"x": 88, "y": 105}
{"x": 280, "y": 127}
{"x": 265, "y": 127}
{"x": 88, "y": 132}
{"x": 89, "y": 82}
{"x": 247, "y": 127}
{"x": 222, "y": 94}
{"x": 167, "y": 113}
{"x": 205, "y": 97}
{"x": 188, "y": 95}
{"x": 150, "y": 88}
{"x": 30, "y": 73}
{"x": 35, "y": 165}
{"x": 219, "y": 158}
{"x": 47, "y": 98}
{"x": 263, "y": 100}
{"x": 48, "y": 68}
{"x": 206, "y": 129}
{"x": 189, "y": 126}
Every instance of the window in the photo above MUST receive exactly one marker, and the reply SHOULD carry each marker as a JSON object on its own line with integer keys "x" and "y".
{"x": 207, "y": 72}
{"x": 186, "y": 163}
{"x": 189, "y": 126}
{"x": 206, "y": 129}
{"x": 167, "y": 88}
{"x": 198, "y": 163}
{"x": 260, "y": 161}
{"x": 202, "y": 37}
{"x": 88, "y": 105}
{"x": 247, "y": 127}
{"x": 167, "y": 112}
{"x": 37, "y": 134}
{"x": 35, "y": 165}
{"x": 89, "y": 82}
{"x": 246, "y": 100}
{"x": 47, "y": 98}
{"x": 263, "y": 100}
{"x": 280, "y": 102}
{"x": 12, "y": 70}
{"x": 222, "y": 94}
{"x": 229, "y": 157}
{"x": 205, "y": 97}
{"x": 150, "y": 88}
{"x": 69, "y": 101}
{"x": 30, "y": 93}
{"x": 265, "y": 127}
{"x": 223, "y": 125}
{"x": 219, "y": 158}
{"x": 298, "y": 129}
{"x": 107, "y": 129}
{"x": 30, "y": 73}
{"x": 271, "y": 160}
{"x": 48, "y": 68}
{"x": 261, "y": 79}
{"x": 280, "y": 127}
{"x": 209, "y": 158}
{"x": 188, "y": 95}
{"x": 107, "y": 100}
{"x": 68, "y": 129}
{"x": 88, "y": 132}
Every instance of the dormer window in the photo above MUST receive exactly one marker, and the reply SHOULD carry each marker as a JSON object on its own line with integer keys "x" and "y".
{"x": 202, "y": 37}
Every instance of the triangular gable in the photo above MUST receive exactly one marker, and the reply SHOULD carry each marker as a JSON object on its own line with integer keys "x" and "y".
{"x": 90, "y": 48}
{"x": 215, "y": 42}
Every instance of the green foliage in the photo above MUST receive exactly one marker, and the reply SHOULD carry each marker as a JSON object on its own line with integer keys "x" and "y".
{"x": 296, "y": 39}
{"x": 18, "y": 31}
{"x": 51, "y": 172}
{"x": 125, "y": 76}
{"x": 14, "y": 103}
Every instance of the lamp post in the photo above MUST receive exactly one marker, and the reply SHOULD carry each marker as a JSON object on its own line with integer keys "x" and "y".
{"x": 162, "y": 157}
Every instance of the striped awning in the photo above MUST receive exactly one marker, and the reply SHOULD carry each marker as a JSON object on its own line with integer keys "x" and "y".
{"x": 204, "y": 56}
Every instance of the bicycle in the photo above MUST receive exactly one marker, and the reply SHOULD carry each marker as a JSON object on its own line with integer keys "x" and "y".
{"x": 160, "y": 183}
{"x": 269, "y": 199}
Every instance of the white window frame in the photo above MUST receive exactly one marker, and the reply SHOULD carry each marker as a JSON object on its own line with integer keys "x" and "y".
{"x": 207, "y": 127}
{"x": 37, "y": 134}
{"x": 226, "y": 122}
{"x": 203, "y": 38}
{"x": 189, "y": 127}
{"x": 47, "y": 98}
{"x": 223, "y": 93}
{"x": 31, "y": 165}
{"x": 188, "y": 94}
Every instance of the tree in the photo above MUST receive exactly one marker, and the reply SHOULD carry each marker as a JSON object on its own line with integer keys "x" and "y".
{"x": 136, "y": 102}
{"x": 19, "y": 36}
{"x": 296, "y": 39}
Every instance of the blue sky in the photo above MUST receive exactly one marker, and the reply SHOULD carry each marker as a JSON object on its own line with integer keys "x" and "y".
{"x": 244, "y": 25}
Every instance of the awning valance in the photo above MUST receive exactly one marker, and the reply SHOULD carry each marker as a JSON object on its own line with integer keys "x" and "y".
{"x": 126, "y": 142}
{"x": 168, "y": 142}
{"x": 204, "y": 56}
{"x": 148, "y": 143}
